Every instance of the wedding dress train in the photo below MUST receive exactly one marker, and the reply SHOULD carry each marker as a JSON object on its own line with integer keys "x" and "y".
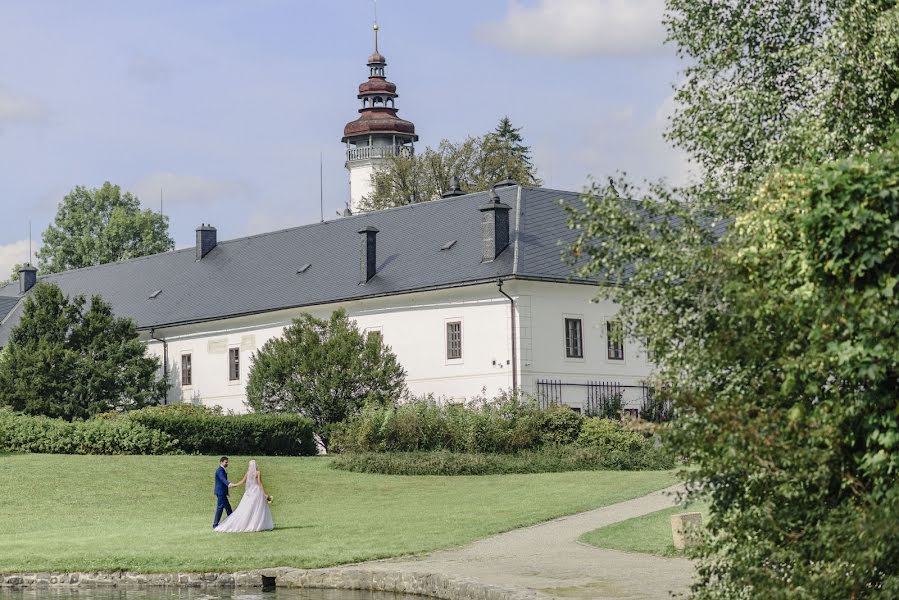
{"x": 252, "y": 514}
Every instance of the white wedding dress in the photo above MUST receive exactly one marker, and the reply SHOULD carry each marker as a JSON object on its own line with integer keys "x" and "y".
{"x": 252, "y": 514}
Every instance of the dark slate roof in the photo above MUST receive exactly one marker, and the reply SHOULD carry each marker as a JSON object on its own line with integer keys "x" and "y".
{"x": 259, "y": 273}
{"x": 7, "y": 303}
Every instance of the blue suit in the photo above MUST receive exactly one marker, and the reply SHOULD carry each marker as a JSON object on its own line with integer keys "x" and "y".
{"x": 221, "y": 492}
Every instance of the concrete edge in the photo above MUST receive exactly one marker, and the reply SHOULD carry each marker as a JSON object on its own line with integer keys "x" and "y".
{"x": 434, "y": 585}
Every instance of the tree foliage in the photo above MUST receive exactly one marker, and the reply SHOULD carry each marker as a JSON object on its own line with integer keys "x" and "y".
{"x": 70, "y": 359}
{"x": 326, "y": 370}
{"x": 773, "y": 84}
{"x": 478, "y": 162}
{"x": 101, "y": 225}
{"x": 766, "y": 292}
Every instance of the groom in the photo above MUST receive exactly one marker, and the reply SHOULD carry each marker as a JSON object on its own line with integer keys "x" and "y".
{"x": 222, "y": 485}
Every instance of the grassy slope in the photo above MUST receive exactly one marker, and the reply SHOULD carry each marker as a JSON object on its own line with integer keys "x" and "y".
{"x": 155, "y": 513}
{"x": 650, "y": 534}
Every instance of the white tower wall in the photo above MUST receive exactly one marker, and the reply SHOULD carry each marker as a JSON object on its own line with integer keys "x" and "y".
{"x": 360, "y": 181}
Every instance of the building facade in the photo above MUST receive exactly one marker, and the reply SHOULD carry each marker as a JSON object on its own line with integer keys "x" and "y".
{"x": 471, "y": 291}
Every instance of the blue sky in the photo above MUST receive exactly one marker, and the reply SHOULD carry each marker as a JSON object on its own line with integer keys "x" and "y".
{"x": 226, "y": 105}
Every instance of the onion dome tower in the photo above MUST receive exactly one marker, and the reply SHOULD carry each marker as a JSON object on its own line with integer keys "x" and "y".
{"x": 378, "y": 133}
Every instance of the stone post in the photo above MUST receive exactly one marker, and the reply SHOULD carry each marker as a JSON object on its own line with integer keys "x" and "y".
{"x": 685, "y": 529}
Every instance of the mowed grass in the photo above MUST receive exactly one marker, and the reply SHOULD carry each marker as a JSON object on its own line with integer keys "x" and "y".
{"x": 154, "y": 513}
{"x": 649, "y": 534}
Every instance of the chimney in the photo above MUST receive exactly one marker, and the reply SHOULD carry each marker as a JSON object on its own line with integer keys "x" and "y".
{"x": 368, "y": 255}
{"x": 206, "y": 240}
{"x": 455, "y": 189}
{"x": 494, "y": 226}
{"x": 27, "y": 278}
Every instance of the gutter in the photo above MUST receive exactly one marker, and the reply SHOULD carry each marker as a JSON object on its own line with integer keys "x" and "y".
{"x": 165, "y": 358}
{"x": 499, "y": 285}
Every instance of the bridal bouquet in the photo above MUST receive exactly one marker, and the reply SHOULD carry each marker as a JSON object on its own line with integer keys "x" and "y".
{"x": 269, "y": 499}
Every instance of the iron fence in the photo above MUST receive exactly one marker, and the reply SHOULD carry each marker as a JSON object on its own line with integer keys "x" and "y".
{"x": 608, "y": 399}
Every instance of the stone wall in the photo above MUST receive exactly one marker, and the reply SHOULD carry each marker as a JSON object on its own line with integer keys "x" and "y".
{"x": 434, "y": 585}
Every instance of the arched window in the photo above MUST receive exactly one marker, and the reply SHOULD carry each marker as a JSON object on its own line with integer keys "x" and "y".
{"x": 378, "y": 100}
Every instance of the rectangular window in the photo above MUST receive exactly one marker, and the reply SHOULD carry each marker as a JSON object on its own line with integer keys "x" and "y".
{"x": 186, "y": 372}
{"x": 374, "y": 334}
{"x": 574, "y": 338}
{"x": 234, "y": 364}
{"x": 615, "y": 337}
{"x": 454, "y": 340}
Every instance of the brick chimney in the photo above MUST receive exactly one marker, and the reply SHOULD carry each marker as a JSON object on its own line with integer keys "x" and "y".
{"x": 27, "y": 278}
{"x": 494, "y": 226}
{"x": 206, "y": 240}
{"x": 368, "y": 253}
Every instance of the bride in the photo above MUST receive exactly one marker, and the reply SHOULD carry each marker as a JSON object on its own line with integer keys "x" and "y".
{"x": 252, "y": 514}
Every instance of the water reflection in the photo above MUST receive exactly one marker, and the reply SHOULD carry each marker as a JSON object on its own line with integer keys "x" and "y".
{"x": 159, "y": 593}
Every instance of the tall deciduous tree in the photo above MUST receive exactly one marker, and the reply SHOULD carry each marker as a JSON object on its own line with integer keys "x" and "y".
{"x": 70, "y": 359}
{"x": 102, "y": 225}
{"x": 326, "y": 370}
{"x": 478, "y": 162}
{"x": 771, "y": 84}
{"x": 767, "y": 291}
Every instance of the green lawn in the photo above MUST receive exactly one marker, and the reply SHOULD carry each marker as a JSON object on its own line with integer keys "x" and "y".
{"x": 650, "y": 534}
{"x": 152, "y": 514}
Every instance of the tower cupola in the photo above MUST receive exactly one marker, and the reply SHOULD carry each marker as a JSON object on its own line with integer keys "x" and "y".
{"x": 378, "y": 134}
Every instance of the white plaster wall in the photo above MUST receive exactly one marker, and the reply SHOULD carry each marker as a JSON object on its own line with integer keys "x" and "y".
{"x": 542, "y": 309}
{"x": 360, "y": 181}
{"x": 414, "y": 325}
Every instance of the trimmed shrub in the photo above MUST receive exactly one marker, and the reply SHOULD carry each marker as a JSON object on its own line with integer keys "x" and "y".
{"x": 550, "y": 459}
{"x": 200, "y": 430}
{"x": 44, "y": 435}
{"x": 560, "y": 425}
{"x": 609, "y": 435}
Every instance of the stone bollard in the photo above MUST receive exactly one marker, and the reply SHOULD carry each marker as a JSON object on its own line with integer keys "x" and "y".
{"x": 685, "y": 529}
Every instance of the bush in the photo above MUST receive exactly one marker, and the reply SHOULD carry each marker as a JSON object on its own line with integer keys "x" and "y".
{"x": 25, "y": 433}
{"x": 503, "y": 425}
{"x": 551, "y": 459}
{"x": 200, "y": 430}
{"x": 610, "y": 435}
{"x": 560, "y": 425}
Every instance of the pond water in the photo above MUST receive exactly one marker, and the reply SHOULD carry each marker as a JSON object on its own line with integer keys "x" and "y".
{"x": 160, "y": 593}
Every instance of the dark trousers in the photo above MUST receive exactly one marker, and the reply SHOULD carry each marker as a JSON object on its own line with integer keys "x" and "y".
{"x": 223, "y": 505}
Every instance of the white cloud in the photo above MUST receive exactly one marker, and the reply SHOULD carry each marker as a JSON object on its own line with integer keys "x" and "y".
{"x": 183, "y": 190}
{"x": 20, "y": 109}
{"x": 578, "y": 28}
{"x": 10, "y": 254}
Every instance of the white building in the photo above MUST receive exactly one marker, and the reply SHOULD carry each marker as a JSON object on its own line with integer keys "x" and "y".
{"x": 469, "y": 291}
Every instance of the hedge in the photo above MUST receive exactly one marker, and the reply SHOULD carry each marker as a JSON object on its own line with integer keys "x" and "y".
{"x": 25, "y": 433}
{"x": 176, "y": 429}
{"x": 550, "y": 459}
{"x": 200, "y": 430}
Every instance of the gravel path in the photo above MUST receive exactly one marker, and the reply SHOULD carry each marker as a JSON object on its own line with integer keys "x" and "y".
{"x": 547, "y": 558}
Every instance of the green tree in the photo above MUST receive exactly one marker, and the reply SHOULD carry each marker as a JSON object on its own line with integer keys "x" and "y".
{"x": 14, "y": 275}
{"x": 478, "y": 162}
{"x": 770, "y": 84}
{"x": 326, "y": 370}
{"x": 72, "y": 360}
{"x": 102, "y": 225}
{"x": 766, "y": 291}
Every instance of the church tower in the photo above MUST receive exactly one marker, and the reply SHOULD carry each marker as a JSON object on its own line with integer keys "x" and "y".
{"x": 378, "y": 133}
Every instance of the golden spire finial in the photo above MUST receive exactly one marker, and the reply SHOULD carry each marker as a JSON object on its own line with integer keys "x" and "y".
{"x": 376, "y": 25}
